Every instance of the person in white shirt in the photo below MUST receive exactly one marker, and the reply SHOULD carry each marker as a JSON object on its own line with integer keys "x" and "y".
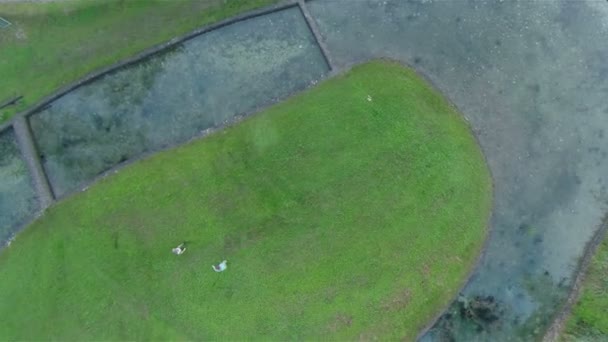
{"x": 179, "y": 250}
{"x": 221, "y": 267}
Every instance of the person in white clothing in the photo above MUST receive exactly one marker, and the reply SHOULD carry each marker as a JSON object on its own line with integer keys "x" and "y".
{"x": 179, "y": 250}
{"x": 220, "y": 267}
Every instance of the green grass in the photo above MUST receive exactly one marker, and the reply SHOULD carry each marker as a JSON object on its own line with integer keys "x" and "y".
{"x": 53, "y": 44}
{"x": 589, "y": 318}
{"x": 342, "y": 216}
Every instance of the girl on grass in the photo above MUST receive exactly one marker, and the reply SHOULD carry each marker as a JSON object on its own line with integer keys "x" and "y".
{"x": 221, "y": 267}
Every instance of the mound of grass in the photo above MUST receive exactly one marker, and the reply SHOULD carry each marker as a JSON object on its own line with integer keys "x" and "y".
{"x": 52, "y": 44}
{"x": 589, "y": 319}
{"x": 352, "y": 210}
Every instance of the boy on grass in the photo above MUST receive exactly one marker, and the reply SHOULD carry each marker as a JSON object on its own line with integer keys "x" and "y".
{"x": 179, "y": 250}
